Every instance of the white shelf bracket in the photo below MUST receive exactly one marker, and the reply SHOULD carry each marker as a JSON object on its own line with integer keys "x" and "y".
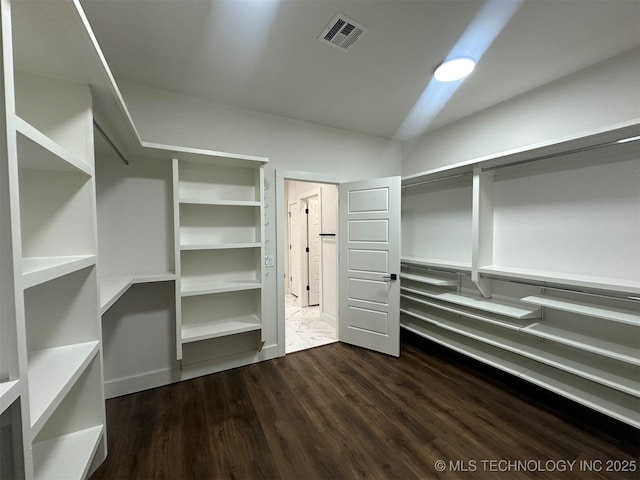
{"x": 483, "y": 285}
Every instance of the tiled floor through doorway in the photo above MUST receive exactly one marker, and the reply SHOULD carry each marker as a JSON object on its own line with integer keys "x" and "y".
{"x": 303, "y": 327}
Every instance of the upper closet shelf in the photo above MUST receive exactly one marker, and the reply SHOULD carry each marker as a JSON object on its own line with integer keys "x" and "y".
{"x": 438, "y": 263}
{"x": 37, "y": 270}
{"x": 585, "y": 281}
{"x": 588, "y": 309}
{"x": 54, "y": 39}
{"x": 501, "y": 307}
{"x": 230, "y": 203}
{"x": 190, "y": 288}
{"x": 199, "y": 155}
{"x": 37, "y": 151}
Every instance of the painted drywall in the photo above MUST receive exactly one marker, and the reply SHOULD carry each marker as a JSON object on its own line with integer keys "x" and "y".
{"x": 598, "y": 97}
{"x": 175, "y": 119}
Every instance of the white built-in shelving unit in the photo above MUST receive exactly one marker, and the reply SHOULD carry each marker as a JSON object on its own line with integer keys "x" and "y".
{"x": 528, "y": 262}
{"x": 219, "y": 245}
{"x": 55, "y": 85}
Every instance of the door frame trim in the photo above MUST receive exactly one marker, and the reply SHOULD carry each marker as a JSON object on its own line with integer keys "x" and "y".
{"x": 281, "y": 238}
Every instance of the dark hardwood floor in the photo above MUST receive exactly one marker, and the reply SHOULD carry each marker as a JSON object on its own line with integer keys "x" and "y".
{"x": 340, "y": 412}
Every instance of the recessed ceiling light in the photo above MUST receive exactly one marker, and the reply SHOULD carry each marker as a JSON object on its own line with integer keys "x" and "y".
{"x": 454, "y": 69}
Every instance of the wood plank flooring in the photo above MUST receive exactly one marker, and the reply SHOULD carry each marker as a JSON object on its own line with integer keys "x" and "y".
{"x": 340, "y": 412}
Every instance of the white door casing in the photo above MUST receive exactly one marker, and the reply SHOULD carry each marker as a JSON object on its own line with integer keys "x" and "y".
{"x": 369, "y": 288}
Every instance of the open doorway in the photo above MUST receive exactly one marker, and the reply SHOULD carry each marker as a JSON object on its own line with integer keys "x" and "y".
{"x": 311, "y": 264}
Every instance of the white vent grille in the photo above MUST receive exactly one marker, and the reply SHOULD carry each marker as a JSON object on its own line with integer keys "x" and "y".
{"x": 342, "y": 32}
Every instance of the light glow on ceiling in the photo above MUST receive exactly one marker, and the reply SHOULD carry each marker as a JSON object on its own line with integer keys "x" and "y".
{"x": 473, "y": 43}
{"x": 454, "y": 69}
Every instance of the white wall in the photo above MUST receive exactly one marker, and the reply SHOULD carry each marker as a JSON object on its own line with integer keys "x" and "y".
{"x": 597, "y": 97}
{"x": 168, "y": 118}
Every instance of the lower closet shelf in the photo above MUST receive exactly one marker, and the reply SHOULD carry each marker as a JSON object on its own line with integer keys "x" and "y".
{"x": 197, "y": 332}
{"x": 67, "y": 456}
{"x": 52, "y": 373}
{"x": 8, "y": 393}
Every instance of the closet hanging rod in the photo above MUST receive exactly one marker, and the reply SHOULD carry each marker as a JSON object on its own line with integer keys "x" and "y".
{"x": 628, "y": 298}
{"x": 566, "y": 152}
{"x": 111, "y": 144}
{"x": 436, "y": 180}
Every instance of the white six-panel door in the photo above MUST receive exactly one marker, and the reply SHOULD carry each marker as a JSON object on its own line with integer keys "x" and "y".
{"x": 370, "y": 264}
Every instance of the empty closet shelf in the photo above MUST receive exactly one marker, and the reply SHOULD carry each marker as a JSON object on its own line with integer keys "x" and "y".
{"x": 585, "y": 308}
{"x": 189, "y": 288}
{"x": 9, "y": 392}
{"x": 67, "y": 456}
{"x": 197, "y": 332}
{"x": 218, "y": 246}
{"x": 438, "y": 263}
{"x": 37, "y": 270}
{"x": 52, "y": 373}
{"x": 501, "y": 307}
{"x": 429, "y": 279}
{"x": 228, "y": 203}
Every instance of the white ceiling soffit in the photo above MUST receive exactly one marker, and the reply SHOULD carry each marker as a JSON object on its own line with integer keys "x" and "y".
{"x": 342, "y": 32}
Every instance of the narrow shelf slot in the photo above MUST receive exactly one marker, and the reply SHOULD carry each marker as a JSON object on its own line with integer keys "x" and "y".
{"x": 197, "y": 332}
{"x": 600, "y": 346}
{"x": 605, "y": 371}
{"x": 585, "y": 308}
{"x": 52, "y": 373}
{"x": 39, "y": 152}
{"x": 600, "y": 398}
{"x": 218, "y": 246}
{"x": 190, "y": 288}
{"x": 438, "y": 263}
{"x": 228, "y": 203}
{"x": 37, "y": 270}
{"x": 496, "y": 357}
{"x": 498, "y": 337}
{"x": 429, "y": 279}
{"x": 67, "y": 456}
{"x": 501, "y": 321}
{"x": 513, "y": 309}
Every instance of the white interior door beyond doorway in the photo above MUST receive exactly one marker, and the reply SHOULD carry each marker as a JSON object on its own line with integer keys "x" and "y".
{"x": 294, "y": 248}
{"x": 312, "y": 250}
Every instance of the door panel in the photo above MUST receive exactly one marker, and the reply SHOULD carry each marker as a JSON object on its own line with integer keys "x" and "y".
{"x": 314, "y": 249}
{"x": 294, "y": 248}
{"x": 369, "y": 254}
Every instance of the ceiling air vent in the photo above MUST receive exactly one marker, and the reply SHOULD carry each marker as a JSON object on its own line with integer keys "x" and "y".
{"x": 342, "y": 32}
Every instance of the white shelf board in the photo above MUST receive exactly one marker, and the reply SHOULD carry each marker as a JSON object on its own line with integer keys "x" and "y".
{"x": 9, "y": 392}
{"x": 429, "y": 279}
{"x": 438, "y": 263}
{"x": 513, "y": 309}
{"x": 37, "y": 151}
{"x": 505, "y": 322}
{"x": 498, "y": 337}
{"x": 67, "y": 456}
{"x": 228, "y": 203}
{"x": 52, "y": 373}
{"x": 608, "y": 372}
{"x": 199, "y": 155}
{"x": 189, "y": 287}
{"x": 496, "y": 357}
{"x": 194, "y": 333}
{"x": 585, "y": 308}
{"x": 37, "y": 270}
{"x": 586, "y": 281}
{"x": 111, "y": 290}
{"x": 113, "y": 287}
{"x": 617, "y": 351}
{"x": 218, "y": 246}
{"x": 621, "y": 406}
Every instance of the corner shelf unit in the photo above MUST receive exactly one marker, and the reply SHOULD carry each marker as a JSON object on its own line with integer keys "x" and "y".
{"x": 548, "y": 288}
{"x": 55, "y": 85}
{"x": 219, "y": 238}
